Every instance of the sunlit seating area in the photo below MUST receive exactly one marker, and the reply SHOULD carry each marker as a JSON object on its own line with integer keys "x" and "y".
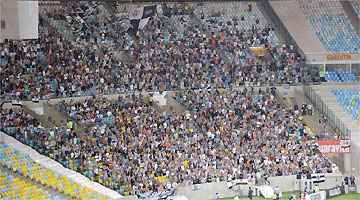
{"x": 349, "y": 99}
{"x": 331, "y": 25}
{"x": 23, "y": 165}
{"x": 340, "y": 76}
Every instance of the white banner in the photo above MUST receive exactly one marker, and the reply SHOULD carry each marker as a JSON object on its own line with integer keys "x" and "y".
{"x": 136, "y": 13}
{"x": 316, "y": 196}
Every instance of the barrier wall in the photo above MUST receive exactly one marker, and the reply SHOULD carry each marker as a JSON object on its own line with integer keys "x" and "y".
{"x": 285, "y": 184}
{"x": 58, "y": 168}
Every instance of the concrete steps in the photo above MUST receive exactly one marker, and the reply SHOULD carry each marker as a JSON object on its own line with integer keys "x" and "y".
{"x": 49, "y": 116}
{"x": 41, "y": 118}
{"x": 312, "y": 121}
{"x": 324, "y": 91}
{"x": 173, "y": 105}
{"x": 52, "y": 113}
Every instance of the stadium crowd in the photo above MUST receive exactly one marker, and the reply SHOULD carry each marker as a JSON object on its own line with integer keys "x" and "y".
{"x": 127, "y": 144}
{"x": 130, "y": 146}
{"x": 55, "y": 67}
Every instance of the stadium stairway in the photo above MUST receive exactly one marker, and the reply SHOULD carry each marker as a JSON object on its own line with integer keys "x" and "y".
{"x": 312, "y": 121}
{"x": 49, "y": 116}
{"x": 41, "y": 118}
{"x": 298, "y": 26}
{"x": 298, "y": 98}
{"x": 330, "y": 99}
{"x": 352, "y": 164}
{"x": 57, "y": 118}
{"x": 172, "y": 105}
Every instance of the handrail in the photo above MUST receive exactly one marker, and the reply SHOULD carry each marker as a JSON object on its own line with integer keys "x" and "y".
{"x": 322, "y": 107}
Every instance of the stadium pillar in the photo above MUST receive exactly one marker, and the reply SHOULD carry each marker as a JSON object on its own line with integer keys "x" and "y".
{"x": 347, "y": 164}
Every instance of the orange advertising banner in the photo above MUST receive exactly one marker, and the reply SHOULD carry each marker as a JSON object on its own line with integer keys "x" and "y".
{"x": 334, "y": 146}
{"x": 339, "y": 56}
{"x": 258, "y": 51}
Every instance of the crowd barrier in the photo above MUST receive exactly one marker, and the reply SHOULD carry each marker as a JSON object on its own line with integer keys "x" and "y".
{"x": 115, "y": 94}
{"x": 222, "y": 189}
{"x": 316, "y": 196}
{"x": 58, "y": 168}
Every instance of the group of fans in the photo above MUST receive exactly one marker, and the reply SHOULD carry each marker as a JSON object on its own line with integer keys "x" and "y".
{"x": 128, "y": 144}
{"x": 194, "y": 58}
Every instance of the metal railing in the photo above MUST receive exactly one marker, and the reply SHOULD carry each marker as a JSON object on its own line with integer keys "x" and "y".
{"x": 323, "y": 108}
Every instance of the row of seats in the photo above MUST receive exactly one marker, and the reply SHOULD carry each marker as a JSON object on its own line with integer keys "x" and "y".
{"x": 349, "y": 99}
{"x": 331, "y": 25}
{"x": 12, "y": 187}
{"x": 340, "y": 76}
{"x": 25, "y": 166}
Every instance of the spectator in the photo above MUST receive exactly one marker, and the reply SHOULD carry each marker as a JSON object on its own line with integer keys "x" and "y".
{"x": 80, "y": 68}
{"x": 127, "y": 144}
{"x": 250, "y": 193}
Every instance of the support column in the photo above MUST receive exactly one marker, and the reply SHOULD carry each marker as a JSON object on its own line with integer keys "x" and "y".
{"x": 347, "y": 164}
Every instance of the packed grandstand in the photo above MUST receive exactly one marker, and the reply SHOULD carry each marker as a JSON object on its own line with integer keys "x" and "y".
{"x": 100, "y": 72}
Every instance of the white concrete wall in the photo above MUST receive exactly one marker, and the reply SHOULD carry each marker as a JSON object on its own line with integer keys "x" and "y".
{"x": 21, "y": 19}
{"x": 9, "y": 13}
{"x": 28, "y": 13}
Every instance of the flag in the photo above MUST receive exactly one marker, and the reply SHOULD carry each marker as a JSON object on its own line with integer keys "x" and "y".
{"x": 140, "y": 16}
{"x": 136, "y": 13}
{"x": 318, "y": 178}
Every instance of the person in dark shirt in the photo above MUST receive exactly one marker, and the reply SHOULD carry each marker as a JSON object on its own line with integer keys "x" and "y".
{"x": 250, "y": 193}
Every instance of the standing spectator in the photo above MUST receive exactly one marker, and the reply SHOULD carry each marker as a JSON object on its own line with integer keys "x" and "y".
{"x": 277, "y": 193}
{"x": 352, "y": 180}
{"x": 309, "y": 109}
{"x": 250, "y": 193}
